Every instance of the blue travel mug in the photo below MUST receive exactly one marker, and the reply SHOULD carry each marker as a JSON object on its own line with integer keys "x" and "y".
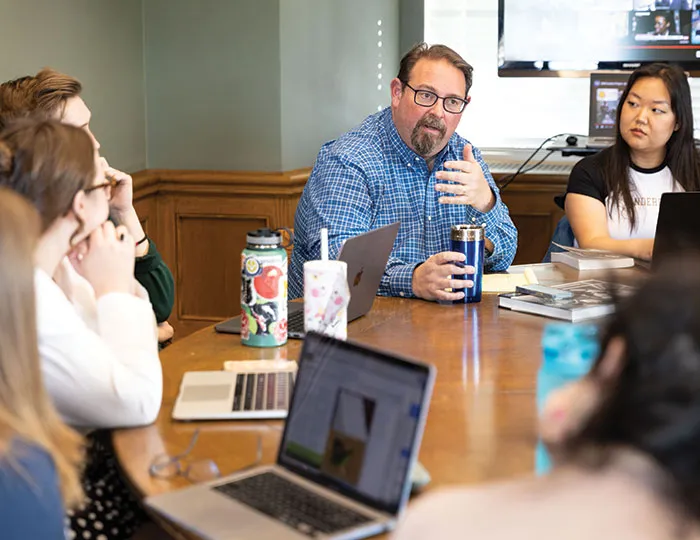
{"x": 469, "y": 239}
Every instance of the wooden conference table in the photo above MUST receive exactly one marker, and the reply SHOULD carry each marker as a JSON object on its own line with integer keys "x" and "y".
{"x": 482, "y": 419}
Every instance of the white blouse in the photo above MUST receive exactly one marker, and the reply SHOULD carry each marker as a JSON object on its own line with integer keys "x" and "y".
{"x": 99, "y": 357}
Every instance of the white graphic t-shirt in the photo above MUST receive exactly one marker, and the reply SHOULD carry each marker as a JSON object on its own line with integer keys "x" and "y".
{"x": 646, "y": 186}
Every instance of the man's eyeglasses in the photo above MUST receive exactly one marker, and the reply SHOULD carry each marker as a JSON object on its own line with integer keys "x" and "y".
{"x": 200, "y": 470}
{"x": 426, "y": 98}
{"x": 108, "y": 186}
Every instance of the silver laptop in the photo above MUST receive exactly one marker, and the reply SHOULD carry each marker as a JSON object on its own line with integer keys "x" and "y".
{"x": 366, "y": 256}
{"x": 342, "y": 471}
{"x": 605, "y": 91}
{"x": 244, "y": 390}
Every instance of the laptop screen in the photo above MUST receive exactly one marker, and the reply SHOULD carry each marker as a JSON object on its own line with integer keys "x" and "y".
{"x": 355, "y": 421}
{"x": 606, "y": 90}
{"x": 677, "y": 226}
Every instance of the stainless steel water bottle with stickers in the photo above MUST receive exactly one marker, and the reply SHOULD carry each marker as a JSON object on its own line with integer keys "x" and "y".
{"x": 264, "y": 290}
{"x": 469, "y": 239}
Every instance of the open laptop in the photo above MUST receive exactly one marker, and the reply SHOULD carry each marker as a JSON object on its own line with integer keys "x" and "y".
{"x": 244, "y": 390}
{"x": 678, "y": 226}
{"x": 342, "y": 471}
{"x": 366, "y": 256}
{"x": 606, "y": 88}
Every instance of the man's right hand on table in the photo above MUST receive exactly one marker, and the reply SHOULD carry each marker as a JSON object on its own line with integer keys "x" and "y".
{"x": 431, "y": 278}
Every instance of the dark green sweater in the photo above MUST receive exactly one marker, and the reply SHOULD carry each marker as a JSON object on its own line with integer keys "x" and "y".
{"x": 155, "y": 276}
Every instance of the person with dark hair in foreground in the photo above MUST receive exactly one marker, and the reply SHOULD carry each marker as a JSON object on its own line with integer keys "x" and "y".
{"x": 624, "y": 439}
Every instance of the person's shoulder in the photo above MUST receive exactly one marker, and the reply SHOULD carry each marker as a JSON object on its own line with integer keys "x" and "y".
{"x": 453, "y": 511}
{"x": 24, "y": 465}
{"x": 593, "y": 165}
{"x": 29, "y": 489}
{"x": 363, "y": 144}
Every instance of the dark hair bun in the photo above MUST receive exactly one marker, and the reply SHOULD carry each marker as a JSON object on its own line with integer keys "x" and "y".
{"x": 5, "y": 158}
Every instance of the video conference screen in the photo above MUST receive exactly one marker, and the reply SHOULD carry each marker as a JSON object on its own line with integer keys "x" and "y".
{"x": 598, "y": 34}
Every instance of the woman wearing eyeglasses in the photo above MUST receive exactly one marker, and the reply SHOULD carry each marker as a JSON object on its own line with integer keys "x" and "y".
{"x": 40, "y": 457}
{"x": 97, "y": 332}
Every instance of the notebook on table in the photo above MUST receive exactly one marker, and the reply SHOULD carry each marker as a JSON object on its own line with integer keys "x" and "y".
{"x": 366, "y": 256}
{"x": 606, "y": 88}
{"x": 342, "y": 471}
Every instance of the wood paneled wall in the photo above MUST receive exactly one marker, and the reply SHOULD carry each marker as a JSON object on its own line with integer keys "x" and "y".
{"x": 199, "y": 220}
{"x": 530, "y": 200}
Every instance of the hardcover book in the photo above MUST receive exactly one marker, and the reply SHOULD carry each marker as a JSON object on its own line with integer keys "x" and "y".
{"x": 591, "y": 259}
{"x": 592, "y": 298}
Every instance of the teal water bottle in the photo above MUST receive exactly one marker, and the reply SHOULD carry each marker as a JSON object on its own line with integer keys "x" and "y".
{"x": 568, "y": 352}
{"x": 264, "y": 290}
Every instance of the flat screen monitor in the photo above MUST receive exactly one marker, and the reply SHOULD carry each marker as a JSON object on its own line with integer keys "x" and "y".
{"x": 572, "y": 38}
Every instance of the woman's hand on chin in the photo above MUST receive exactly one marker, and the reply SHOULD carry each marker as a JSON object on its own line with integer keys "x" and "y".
{"x": 106, "y": 259}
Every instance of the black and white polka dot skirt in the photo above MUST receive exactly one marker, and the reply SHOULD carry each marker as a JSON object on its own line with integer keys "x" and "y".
{"x": 110, "y": 511}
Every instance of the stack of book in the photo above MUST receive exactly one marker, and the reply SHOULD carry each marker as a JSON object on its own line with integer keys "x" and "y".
{"x": 589, "y": 299}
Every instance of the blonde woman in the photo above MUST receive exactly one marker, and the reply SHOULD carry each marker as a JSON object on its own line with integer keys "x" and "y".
{"x": 96, "y": 329}
{"x": 39, "y": 455}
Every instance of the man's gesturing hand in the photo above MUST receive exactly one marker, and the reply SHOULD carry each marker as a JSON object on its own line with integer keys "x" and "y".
{"x": 470, "y": 186}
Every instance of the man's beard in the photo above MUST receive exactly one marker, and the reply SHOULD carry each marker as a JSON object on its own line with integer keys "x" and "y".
{"x": 424, "y": 143}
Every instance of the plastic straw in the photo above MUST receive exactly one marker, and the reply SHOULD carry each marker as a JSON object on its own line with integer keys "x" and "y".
{"x": 324, "y": 244}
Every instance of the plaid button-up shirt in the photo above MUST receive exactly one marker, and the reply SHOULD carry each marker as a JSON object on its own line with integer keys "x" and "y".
{"x": 369, "y": 178}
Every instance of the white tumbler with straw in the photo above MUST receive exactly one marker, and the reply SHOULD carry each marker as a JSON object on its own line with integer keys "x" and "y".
{"x": 326, "y": 294}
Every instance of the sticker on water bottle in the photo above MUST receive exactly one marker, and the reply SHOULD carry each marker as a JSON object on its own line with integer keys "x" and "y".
{"x": 251, "y": 267}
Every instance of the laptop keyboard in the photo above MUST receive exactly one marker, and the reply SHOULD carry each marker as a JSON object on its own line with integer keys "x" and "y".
{"x": 298, "y": 508}
{"x": 262, "y": 391}
{"x": 295, "y": 322}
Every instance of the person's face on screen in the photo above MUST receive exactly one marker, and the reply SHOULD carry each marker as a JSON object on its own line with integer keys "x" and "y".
{"x": 647, "y": 120}
{"x": 77, "y": 114}
{"x": 426, "y": 130}
{"x": 661, "y": 25}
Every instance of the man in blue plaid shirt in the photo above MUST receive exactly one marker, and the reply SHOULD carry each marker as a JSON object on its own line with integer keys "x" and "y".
{"x": 407, "y": 164}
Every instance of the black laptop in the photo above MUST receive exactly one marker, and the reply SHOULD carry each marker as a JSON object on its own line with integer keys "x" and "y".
{"x": 678, "y": 227}
{"x": 366, "y": 256}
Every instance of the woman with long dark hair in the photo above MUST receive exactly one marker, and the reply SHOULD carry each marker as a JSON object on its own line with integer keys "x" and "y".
{"x": 612, "y": 199}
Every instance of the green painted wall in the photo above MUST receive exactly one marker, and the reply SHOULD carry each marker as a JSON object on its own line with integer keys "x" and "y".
{"x": 213, "y": 84}
{"x": 331, "y": 74}
{"x": 100, "y": 43}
